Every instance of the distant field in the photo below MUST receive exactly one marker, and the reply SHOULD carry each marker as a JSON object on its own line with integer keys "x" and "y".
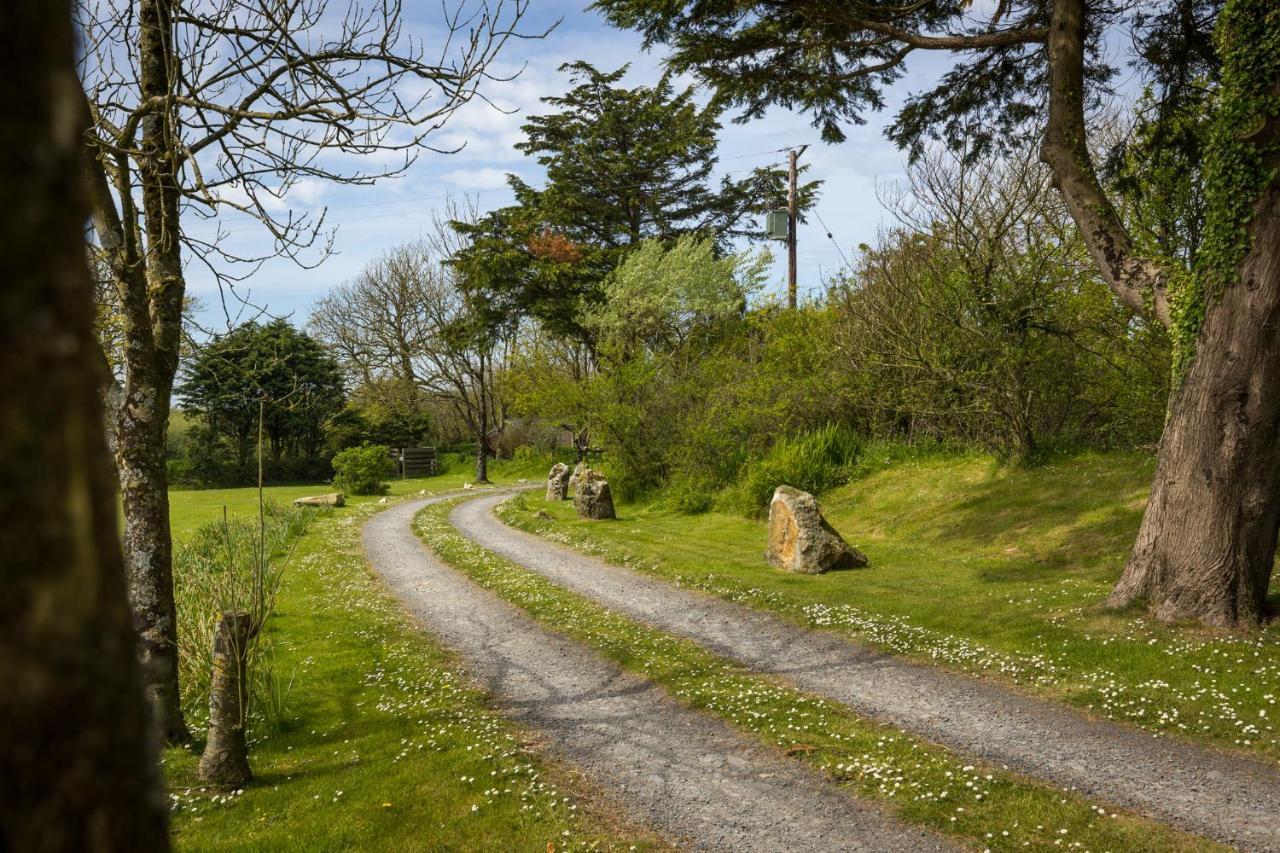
{"x": 983, "y": 569}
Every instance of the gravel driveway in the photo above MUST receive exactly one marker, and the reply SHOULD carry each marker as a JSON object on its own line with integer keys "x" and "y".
{"x": 687, "y": 774}
{"x": 1230, "y": 799}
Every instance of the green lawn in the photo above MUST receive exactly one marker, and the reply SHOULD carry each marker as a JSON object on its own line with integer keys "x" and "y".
{"x": 982, "y": 569}
{"x": 385, "y": 746}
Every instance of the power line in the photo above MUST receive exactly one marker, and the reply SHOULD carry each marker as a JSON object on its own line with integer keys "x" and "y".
{"x": 247, "y": 227}
{"x": 833, "y": 240}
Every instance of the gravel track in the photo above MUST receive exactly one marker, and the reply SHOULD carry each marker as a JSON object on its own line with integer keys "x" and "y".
{"x": 687, "y": 774}
{"x": 1223, "y": 797}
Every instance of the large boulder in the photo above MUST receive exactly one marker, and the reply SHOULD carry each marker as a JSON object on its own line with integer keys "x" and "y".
{"x": 558, "y": 482}
{"x": 577, "y": 475}
{"x": 592, "y": 498}
{"x": 800, "y": 540}
{"x": 335, "y": 499}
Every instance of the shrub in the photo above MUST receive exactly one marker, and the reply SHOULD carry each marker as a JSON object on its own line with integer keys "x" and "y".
{"x": 814, "y": 462}
{"x": 361, "y": 470}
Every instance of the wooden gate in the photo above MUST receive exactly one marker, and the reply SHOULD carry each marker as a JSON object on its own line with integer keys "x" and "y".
{"x": 418, "y": 462}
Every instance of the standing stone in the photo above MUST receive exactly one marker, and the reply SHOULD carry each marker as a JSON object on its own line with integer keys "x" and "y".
{"x": 558, "y": 482}
{"x": 578, "y": 471}
{"x": 592, "y": 498}
{"x": 801, "y": 540}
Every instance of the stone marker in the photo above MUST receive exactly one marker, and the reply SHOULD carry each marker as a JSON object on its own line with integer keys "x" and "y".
{"x": 558, "y": 482}
{"x": 577, "y": 475}
{"x": 335, "y": 499}
{"x": 592, "y": 498}
{"x": 800, "y": 540}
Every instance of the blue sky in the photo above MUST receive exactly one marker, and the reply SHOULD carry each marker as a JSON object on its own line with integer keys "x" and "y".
{"x": 372, "y": 219}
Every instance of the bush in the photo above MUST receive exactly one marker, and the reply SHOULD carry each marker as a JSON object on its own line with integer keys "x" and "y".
{"x": 814, "y": 462}
{"x": 361, "y": 470}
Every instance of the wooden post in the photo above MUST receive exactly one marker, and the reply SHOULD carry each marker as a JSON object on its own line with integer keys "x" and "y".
{"x": 226, "y": 756}
{"x": 793, "y": 208}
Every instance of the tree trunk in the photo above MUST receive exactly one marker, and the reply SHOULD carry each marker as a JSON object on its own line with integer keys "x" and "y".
{"x": 226, "y": 756}
{"x": 482, "y": 458}
{"x": 77, "y": 766}
{"x": 151, "y": 360}
{"x": 1207, "y": 544}
{"x": 144, "y": 486}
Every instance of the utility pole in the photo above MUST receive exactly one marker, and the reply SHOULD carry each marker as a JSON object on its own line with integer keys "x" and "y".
{"x": 793, "y": 205}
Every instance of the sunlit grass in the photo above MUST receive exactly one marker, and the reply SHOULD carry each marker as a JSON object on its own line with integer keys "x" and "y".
{"x": 985, "y": 805}
{"x": 981, "y": 569}
{"x": 384, "y": 745}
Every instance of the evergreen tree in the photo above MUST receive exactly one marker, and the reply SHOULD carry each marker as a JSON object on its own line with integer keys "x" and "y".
{"x": 299, "y": 380}
{"x": 623, "y": 165}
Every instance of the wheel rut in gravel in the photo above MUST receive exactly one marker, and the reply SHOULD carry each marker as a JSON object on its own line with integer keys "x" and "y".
{"x": 1227, "y": 798}
{"x": 687, "y": 774}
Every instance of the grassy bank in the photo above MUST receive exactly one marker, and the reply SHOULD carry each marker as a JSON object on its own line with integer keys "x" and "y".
{"x": 385, "y": 746}
{"x": 982, "y": 569}
{"x": 983, "y": 805}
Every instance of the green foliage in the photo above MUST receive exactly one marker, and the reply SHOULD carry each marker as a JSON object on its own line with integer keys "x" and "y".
{"x": 623, "y": 165}
{"x": 361, "y": 470}
{"x": 815, "y": 463}
{"x": 224, "y": 382}
{"x": 1238, "y": 164}
{"x": 661, "y": 296}
{"x": 231, "y": 565}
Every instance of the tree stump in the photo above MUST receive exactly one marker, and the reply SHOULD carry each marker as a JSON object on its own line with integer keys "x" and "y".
{"x": 226, "y": 756}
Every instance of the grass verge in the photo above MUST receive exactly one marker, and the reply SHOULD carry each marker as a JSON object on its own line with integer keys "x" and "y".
{"x": 980, "y": 569}
{"x": 384, "y": 745}
{"x": 987, "y": 806}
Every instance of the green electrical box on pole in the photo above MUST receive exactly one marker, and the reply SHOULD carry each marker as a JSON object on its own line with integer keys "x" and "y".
{"x": 775, "y": 224}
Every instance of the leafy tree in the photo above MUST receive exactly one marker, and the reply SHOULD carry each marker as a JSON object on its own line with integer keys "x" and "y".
{"x": 663, "y": 309}
{"x": 981, "y": 317}
{"x": 296, "y": 377}
{"x": 1207, "y": 544}
{"x": 623, "y": 165}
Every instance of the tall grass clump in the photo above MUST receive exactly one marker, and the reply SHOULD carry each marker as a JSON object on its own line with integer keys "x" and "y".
{"x": 814, "y": 462}
{"x": 233, "y": 565}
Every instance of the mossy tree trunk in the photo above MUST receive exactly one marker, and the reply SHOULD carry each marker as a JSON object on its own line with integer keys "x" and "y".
{"x": 1207, "y": 543}
{"x": 149, "y": 283}
{"x": 77, "y": 763}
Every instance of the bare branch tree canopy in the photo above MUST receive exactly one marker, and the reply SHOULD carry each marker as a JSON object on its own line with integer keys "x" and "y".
{"x": 202, "y": 108}
{"x": 262, "y": 95}
{"x": 410, "y": 316}
{"x": 1036, "y": 69}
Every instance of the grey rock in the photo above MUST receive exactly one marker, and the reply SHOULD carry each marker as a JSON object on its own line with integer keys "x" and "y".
{"x": 801, "y": 540}
{"x": 592, "y": 498}
{"x": 558, "y": 482}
